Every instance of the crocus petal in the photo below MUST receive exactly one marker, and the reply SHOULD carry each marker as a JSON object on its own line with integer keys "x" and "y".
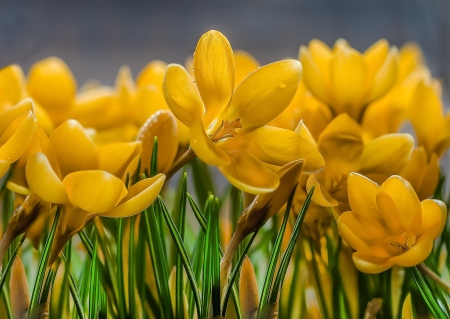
{"x": 94, "y": 191}
{"x": 79, "y": 154}
{"x": 52, "y": 84}
{"x": 312, "y": 75}
{"x": 348, "y": 76}
{"x": 114, "y": 158}
{"x": 10, "y": 114}
{"x": 204, "y": 148}
{"x": 416, "y": 254}
{"x": 245, "y": 64}
{"x": 163, "y": 126}
{"x": 43, "y": 181}
{"x": 396, "y": 197}
{"x": 182, "y": 95}
{"x": 265, "y": 93}
{"x": 12, "y": 84}
{"x": 386, "y": 155}
{"x": 249, "y": 175}
{"x": 276, "y": 146}
{"x": 149, "y": 100}
{"x": 248, "y": 289}
{"x": 321, "y": 196}
{"x": 152, "y": 74}
{"x": 362, "y": 195}
{"x": 140, "y": 196}
{"x": 385, "y": 77}
{"x": 214, "y": 71}
{"x": 371, "y": 264}
{"x": 375, "y": 57}
{"x": 17, "y": 137}
{"x": 321, "y": 54}
{"x": 353, "y": 232}
{"x": 4, "y": 167}
{"x": 434, "y": 216}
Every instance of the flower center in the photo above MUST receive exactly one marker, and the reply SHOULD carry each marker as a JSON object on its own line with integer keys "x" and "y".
{"x": 225, "y": 130}
{"x": 402, "y": 243}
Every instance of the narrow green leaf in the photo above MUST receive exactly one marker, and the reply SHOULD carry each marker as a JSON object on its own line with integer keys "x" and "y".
{"x": 235, "y": 273}
{"x": 183, "y": 256}
{"x": 207, "y": 259}
{"x": 43, "y": 263}
{"x": 203, "y": 182}
{"x": 288, "y": 253}
{"x": 132, "y": 272}
{"x": 7, "y": 177}
{"x": 74, "y": 292}
{"x": 179, "y": 299}
{"x": 6, "y": 270}
{"x": 316, "y": 274}
{"x": 87, "y": 243}
{"x": 215, "y": 260}
{"x": 154, "y": 158}
{"x": 7, "y": 303}
{"x": 159, "y": 263}
{"x": 153, "y": 303}
{"x": 427, "y": 295}
{"x": 197, "y": 268}
{"x": 122, "y": 305}
{"x": 94, "y": 284}
{"x": 274, "y": 257}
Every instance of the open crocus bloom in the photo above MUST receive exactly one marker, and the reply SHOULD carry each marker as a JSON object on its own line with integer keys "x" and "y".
{"x": 227, "y": 126}
{"x": 344, "y": 78}
{"x": 344, "y": 149}
{"x": 17, "y": 125}
{"x": 388, "y": 225}
{"x": 89, "y": 182}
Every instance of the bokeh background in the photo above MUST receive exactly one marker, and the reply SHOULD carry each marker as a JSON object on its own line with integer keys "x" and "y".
{"x": 95, "y": 38}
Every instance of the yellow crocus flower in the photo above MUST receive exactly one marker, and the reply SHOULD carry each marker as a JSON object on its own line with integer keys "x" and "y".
{"x": 17, "y": 126}
{"x": 388, "y": 225}
{"x": 227, "y": 126}
{"x": 344, "y": 78}
{"x": 90, "y": 182}
{"x": 344, "y": 149}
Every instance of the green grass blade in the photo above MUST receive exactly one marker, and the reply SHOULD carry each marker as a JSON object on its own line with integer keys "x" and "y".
{"x": 215, "y": 260}
{"x": 207, "y": 276}
{"x": 203, "y": 182}
{"x": 153, "y": 303}
{"x": 94, "y": 284}
{"x": 122, "y": 305}
{"x": 427, "y": 295}
{"x": 234, "y": 274}
{"x": 6, "y": 270}
{"x": 158, "y": 261}
{"x": 196, "y": 268}
{"x": 179, "y": 299}
{"x": 74, "y": 293}
{"x": 288, "y": 253}
{"x": 132, "y": 271}
{"x": 7, "y": 303}
{"x": 154, "y": 158}
{"x": 265, "y": 292}
{"x": 87, "y": 243}
{"x": 183, "y": 256}
{"x": 43, "y": 263}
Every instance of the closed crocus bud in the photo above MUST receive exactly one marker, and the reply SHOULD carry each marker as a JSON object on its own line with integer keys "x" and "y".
{"x": 248, "y": 290}
{"x": 162, "y": 125}
{"x": 20, "y": 297}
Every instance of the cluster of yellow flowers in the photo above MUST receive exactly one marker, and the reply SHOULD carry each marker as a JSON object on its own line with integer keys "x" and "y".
{"x": 336, "y": 112}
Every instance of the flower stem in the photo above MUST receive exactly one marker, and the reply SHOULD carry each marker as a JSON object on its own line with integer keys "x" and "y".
{"x": 433, "y": 276}
{"x": 188, "y": 156}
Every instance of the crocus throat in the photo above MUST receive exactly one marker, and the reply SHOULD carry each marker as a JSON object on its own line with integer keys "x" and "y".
{"x": 225, "y": 130}
{"x": 402, "y": 243}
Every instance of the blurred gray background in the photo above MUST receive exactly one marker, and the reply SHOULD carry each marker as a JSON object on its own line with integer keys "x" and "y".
{"x": 96, "y": 37}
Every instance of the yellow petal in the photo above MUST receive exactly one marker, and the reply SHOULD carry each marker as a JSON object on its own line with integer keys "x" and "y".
{"x": 182, "y": 95}
{"x": 353, "y": 233}
{"x": 416, "y": 254}
{"x": 125, "y": 86}
{"x": 321, "y": 196}
{"x": 304, "y": 132}
{"x": 434, "y": 216}
{"x": 362, "y": 196}
{"x": 94, "y": 191}
{"x": 52, "y": 84}
{"x": 386, "y": 155}
{"x": 12, "y": 113}
{"x": 313, "y": 77}
{"x": 397, "y": 199}
{"x": 348, "y": 78}
{"x": 149, "y": 100}
{"x": 140, "y": 196}
{"x": 276, "y": 146}
{"x": 164, "y": 126}
{"x": 375, "y": 56}
{"x": 204, "y": 148}
{"x": 341, "y": 145}
{"x": 371, "y": 264}
{"x": 114, "y": 158}
{"x": 265, "y": 93}
{"x": 245, "y": 64}
{"x": 17, "y": 137}
{"x": 214, "y": 72}
{"x": 322, "y": 55}
{"x": 4, "y": 167}
{"x": 249, "y": 175}
{"x": 248, "y": 289}
{"x": 407, "y": 309}
{"x": 12, "y": 86}
{"x": 20, "y": 296}
{"x": 73, "y": 148}
{"x": 152, "y": 74}
{"x": 43, "y": 181}
{"x": 385, "y": 78}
